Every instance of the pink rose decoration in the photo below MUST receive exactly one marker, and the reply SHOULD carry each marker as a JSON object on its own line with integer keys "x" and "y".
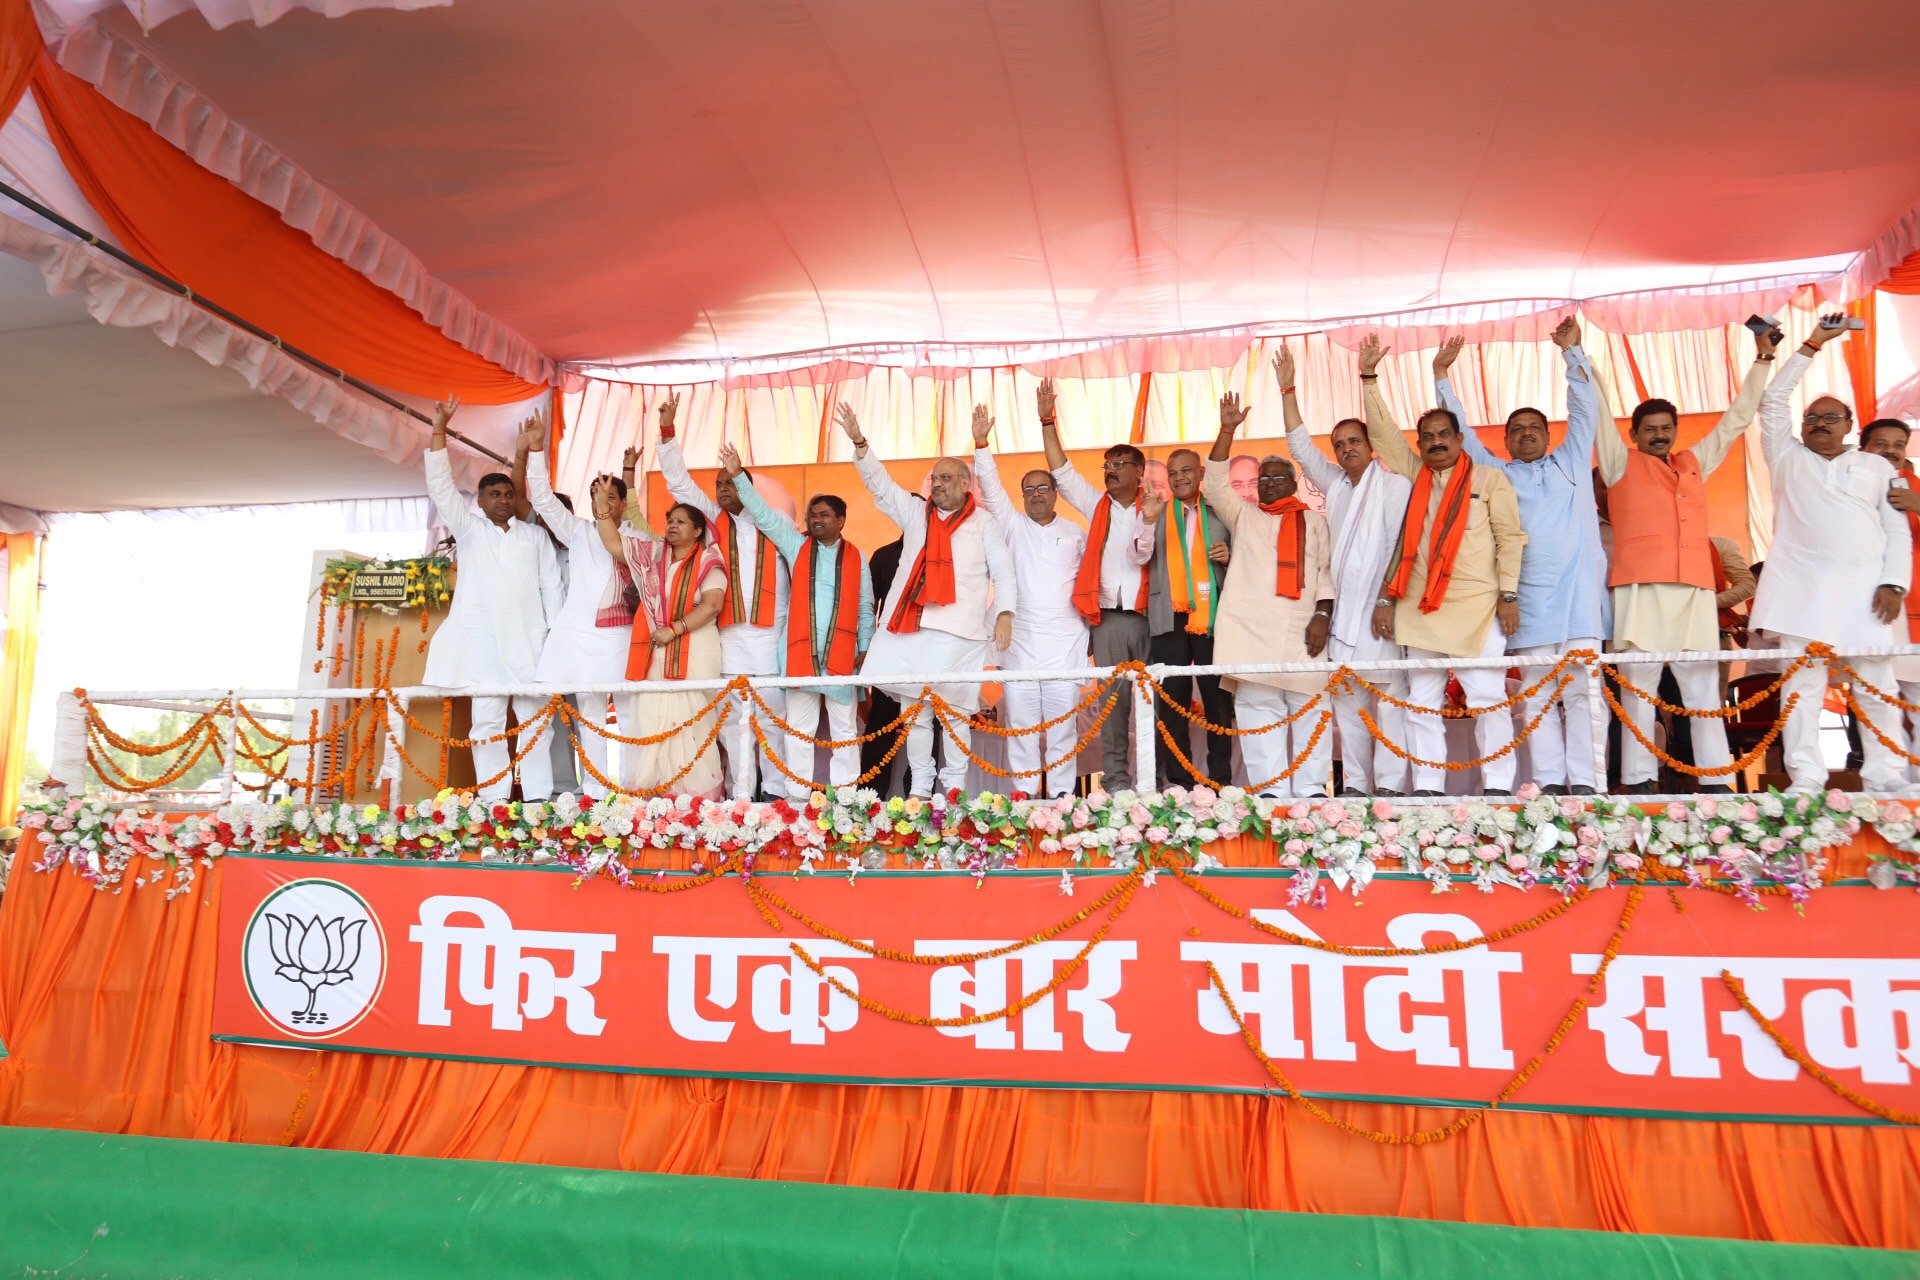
{"x": 1528, "y": 791}
{"x": 1382, "y": 809}
{"x": 1486, "y": 852}
{"x": 1628, "y": 862}
{"x": 1720, "y": 834}
{"x": 1290, "y": 860}
{"x": 1296, "y": 848}
{"x": 1139, "y": 816}
{"x": 1332, "y": 811}
{"x": 1516, "y": 861}
{"x": 1749, "y": 812}
{"x": 1348, "y": 830}
{"x": 1299, "y": 809}
{"x": 1588, "y": 836}
{"x": 1839, "y": 801}
{"x": 1707, "y": 807}
{"x": 1677, "y": 811}
{"x": 1772, "y": 844}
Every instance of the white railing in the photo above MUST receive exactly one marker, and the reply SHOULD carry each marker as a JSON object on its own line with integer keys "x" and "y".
{"x": 70, "y": 733}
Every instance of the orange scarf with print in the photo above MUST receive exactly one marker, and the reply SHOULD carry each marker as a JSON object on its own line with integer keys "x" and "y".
{"x": 843, "y": 635}
{"x": 1086, "y": 583}
{"x": 1183, "y": 554}
{"x": 734, "y": 608}
{"x": 1448, "y": 533}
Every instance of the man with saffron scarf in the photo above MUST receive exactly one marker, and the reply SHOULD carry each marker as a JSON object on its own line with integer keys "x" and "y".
{"x": 1888, "y": 438}
{"x": 1191, "y": 550}
{"x": 509, "y": 593}
{"x": 1454, "y": 574}
{"x": 954, "y": 595}
{"x": 1838, "y": 571}
{"x": 1049, "y": 635}
{"x": 1562, "y": 575}
{"x": 827, "y": 631}
{"x": 1278, "y": 607}
{"x": 1110, "y": 588}
{"x": 1365, "y": 504}
{"x": 753, "y": 614}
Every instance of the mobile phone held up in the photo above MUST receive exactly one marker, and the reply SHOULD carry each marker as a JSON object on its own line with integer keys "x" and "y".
{"x": 1832, "y": 323}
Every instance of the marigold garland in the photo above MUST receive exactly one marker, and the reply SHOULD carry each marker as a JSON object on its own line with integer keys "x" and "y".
{"x": 946, "y": 714}
{"x": 1746, "y": 704}
{"x": 831, "y": 744}
{"x": 1354, "y": 678}
{"x": 1313, "y": 741}
{"x": 1701, "y": 771}
{"x": 1027, "y": 731}
{"x": 1228, "y": 730}
{"x": 1799, "y": 1058}
{"x": 1861, "y": 717}
{"x": 1840, "y": 667}
{"x": 1461, "y": 766}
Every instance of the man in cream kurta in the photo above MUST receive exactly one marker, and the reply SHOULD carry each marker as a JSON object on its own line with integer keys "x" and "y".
{"x": 1838, "y": 569}
{"x": 1256, "y": 623}
{"x": 507, "y": 593}
{"x": 951, "y": 637}
{"x": 1048, "y": 633}
{"x": 1483, "y": 590}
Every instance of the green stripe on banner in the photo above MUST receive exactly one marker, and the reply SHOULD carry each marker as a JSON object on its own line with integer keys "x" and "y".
{"x": 85, "y": 1204}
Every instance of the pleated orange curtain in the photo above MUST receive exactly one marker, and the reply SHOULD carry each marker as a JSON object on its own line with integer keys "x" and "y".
{"x": 1905, "y": 278}
{"x": 19, "y": 46}
{"x": 22, "y": 646}
{"x": 223, "y": 244}
{"x": 1862, "y": 361}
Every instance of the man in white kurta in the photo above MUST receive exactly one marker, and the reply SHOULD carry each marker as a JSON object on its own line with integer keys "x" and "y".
{"x": 1048, "y": 633}
{"x": 1257, "y": 622}
{"x": 752, "y": 637}
{"x": 578, "y": 651}
{"x": 945, "y": 638}
{"x": 507, "y": 592}
{"x": 1365, "y": 503}
{"x": 1838, "y": 569}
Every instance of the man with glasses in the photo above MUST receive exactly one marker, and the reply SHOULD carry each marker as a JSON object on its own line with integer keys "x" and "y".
{"x": 1110, "y": 582}
{"x": 1048, "y": 635}
{"x": 1838, "y": 570}
{"x": 1662, "y": 569}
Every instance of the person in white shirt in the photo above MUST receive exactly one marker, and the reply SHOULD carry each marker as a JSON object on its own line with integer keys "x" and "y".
{"x": 1048, "y": 634}
{"x": 1110, "y": 584}
{"x": 1366, "y": 502}
{"x": 955, "y": 592}
{"x": 1838, "y": 569}
{"x": 507, "y": 593}
{"x": 587, "y": 643}
{"x": 1888, "y": 437}
{"x": 753, "y": 619}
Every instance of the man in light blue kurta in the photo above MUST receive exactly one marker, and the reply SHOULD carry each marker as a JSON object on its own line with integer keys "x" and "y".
{"x": 1563, "y": 596}
{"x": 826, "y": 515}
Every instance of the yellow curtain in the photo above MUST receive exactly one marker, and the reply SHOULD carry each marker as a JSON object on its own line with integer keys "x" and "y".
{"x": 16, "y": 675}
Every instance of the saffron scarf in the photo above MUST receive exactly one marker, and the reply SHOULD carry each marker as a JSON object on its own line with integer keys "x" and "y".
{"x": 1290, "y": 547}
{"x": 1448, "y": 532}
{"x": 1182, "y": 590}
{"x": 669, "y": 589}
{"x": 930, "y": 581}
{"x": 734, "y": 608}
{"x": 1086, "y": 583}
{"x": 842, "y": 647}
{"x": 1913, "y": 588}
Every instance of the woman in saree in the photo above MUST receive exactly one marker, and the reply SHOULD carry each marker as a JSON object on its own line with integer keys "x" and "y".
{"x": 681, "y": 579}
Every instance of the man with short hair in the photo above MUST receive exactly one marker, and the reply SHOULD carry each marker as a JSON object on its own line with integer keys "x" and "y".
{"x": 1110, "y": 584}
{"x": 753, "y": 614}
{"x": 1661, "y": 571}
{"x": 957, "y": 576}
{"x": 1048, "y": 633}
{"x": 828, "y": 628}
{"x": 508, "y": 592}
{"x": 1888, "y": 437}
{"x": 1454, "y": 574}
{"x": 1278, "y": 608}
{"x": 1366, "y": 501}
{"x": 1562, "y": 576}
{"x": 1838, "y": 570}
{"x": 1191, "y": 547}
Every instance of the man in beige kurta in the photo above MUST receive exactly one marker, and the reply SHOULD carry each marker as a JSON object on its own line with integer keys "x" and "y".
{"x": 1484, "y": 590}
{"x": 1256, "y": 623}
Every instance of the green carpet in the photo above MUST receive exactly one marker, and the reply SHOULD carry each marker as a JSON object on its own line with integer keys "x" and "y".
{"x": 84, "y": 1204}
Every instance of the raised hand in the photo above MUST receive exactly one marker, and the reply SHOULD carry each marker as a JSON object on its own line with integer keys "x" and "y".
{"x": 982, "y": 426}
{"x": 605, "y": 498}
{"x": 668, "y": 407}
{"x": 1566, "y": 334}
{"x": 1765, "y": 344}
{"x": 1232, "y": 412}
{"x": 1045, "y": 398}
{"x": 1830, "y": 327}
{"x": 730, "y": 460}
{"x": 533, "y": 434}
{"x": 849, "y": 423}
{"x": 1151, "y": 503}
{"x": 1283, "y": 366}
{"x": 630, "y": 460}
{"x": 1443, "y": 358}
{"x": 1371, "y": 353}
{"x": 444, "y": 411}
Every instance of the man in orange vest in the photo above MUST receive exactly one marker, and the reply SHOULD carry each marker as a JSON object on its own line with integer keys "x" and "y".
{"x": 1662, "y": 568}
{"x": 753, "y": 616}
{"x": 1888, "y": 438}
{"x": 827, "y": 630}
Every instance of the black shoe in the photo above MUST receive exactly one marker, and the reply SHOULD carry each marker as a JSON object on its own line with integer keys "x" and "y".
{"x": 1714, "y": 789}
{"x": 1385, "y": 791}
{"x": 1349, "y": 791}
{"x": 1639, "y": 789}
{"x": 1556, "y": 789}
{"x": 1580, "y": 791}
{"x": 1428, "y": 794}
{"x": 1495, "y": 791}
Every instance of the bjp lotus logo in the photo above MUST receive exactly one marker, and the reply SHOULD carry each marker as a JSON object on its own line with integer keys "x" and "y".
{"x": 315, "y": 958}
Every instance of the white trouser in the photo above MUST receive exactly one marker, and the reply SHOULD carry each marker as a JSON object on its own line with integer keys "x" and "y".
{"x": 1880, "y": 769}
{"x": 1493, "y": 731}
{"x": 1561, "y": 749}
{"x": 741, "y": 745}
{"x": 803, "y": 713}
{"x": 1267, "y": 755}
{"x": 1365, "y": 761}
{"x": 1699, "y": 691}
{"x": 1031, "y": 702}
{"x": 953, "y": 768}
{"x": 489, "y": 758}
{"x": 593, "y": 709}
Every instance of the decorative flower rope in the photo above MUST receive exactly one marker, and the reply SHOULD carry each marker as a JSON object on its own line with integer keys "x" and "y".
{"x": 1734, "y": 767}
{"x": 1461, "y": 766}
{"x": 1299, "y": 761}
{"x": 1746, "y": 704}
{"x": 1808, "y": 1065}
{"x": 948, "y": 715}
{"x": 1228, "y": 730}
{"x": 1353, "y": 678}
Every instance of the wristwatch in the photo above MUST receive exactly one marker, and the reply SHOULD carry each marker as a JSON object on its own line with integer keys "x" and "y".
{"x": 1382, "y": 603}
{"x": 1509, "y": 597}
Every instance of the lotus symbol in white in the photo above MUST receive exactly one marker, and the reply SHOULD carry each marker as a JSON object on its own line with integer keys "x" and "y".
{"x": 314, "y": 954}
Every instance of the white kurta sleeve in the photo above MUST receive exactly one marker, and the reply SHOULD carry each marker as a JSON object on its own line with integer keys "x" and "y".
{"x": 1306, "y": 455}
{"x": 571, "y": 529}
{"x": 1217, "y": 489}
{"x": 780, "y": 531}
{"x": 993, "y": 494}
{"x": 1080, "y": 495}
{"x": 1896, "y": 561}
{"x": 673, "y": 465}
{"x": 1584, "y": 410}
{"x": 553, "y": 588}
{"x": 1006, "y": 593}
{"x": 905, "y": 509}
{"x": 448, "y": 501}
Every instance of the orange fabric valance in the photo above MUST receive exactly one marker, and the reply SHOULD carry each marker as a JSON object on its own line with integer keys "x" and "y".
{"x": 105, "y": 1006}
{"x": 19, "y": 46}
{"x": 220, "y": 242}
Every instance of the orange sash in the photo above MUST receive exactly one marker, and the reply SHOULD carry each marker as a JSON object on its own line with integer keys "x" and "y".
{"x": 843, "y": 640}
{"x": 1913, "y": 588}
{"x": 668, "y": 593}
{"x": 1086, "y": 583}
{"x": 733, "y": 609}
{"x": 1448, "y": 533}
{"x": 930, "y": 582}
{"x": 1181, "y": 588}
{"x": 1290, "y": 549}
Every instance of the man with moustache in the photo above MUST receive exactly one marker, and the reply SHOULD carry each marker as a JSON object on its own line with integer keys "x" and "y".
{"x": 1191, "y": 548}
{"x": 1888, "y": 437}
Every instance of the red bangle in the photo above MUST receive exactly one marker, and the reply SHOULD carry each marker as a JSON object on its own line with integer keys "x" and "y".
{"x": 1286, "y": 391}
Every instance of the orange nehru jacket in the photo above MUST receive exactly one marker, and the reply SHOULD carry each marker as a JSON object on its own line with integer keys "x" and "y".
{"x": 1659, "y": 514}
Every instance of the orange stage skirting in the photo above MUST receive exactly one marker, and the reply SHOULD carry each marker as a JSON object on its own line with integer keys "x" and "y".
{"x": 105, "y": 1002}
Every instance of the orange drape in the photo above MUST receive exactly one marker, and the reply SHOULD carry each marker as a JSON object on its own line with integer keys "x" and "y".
{"x": 105, "y": 1004}
{"x": 1859, "y": 349}
{"x": 1905, "y": 278}
{"x": 19, "y": 46}
{"x": 16, "y": 672}
{"x": 206, "y": 233}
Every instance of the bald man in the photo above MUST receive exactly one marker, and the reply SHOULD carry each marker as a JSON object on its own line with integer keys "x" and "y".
{"x": 954, "y": 595}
